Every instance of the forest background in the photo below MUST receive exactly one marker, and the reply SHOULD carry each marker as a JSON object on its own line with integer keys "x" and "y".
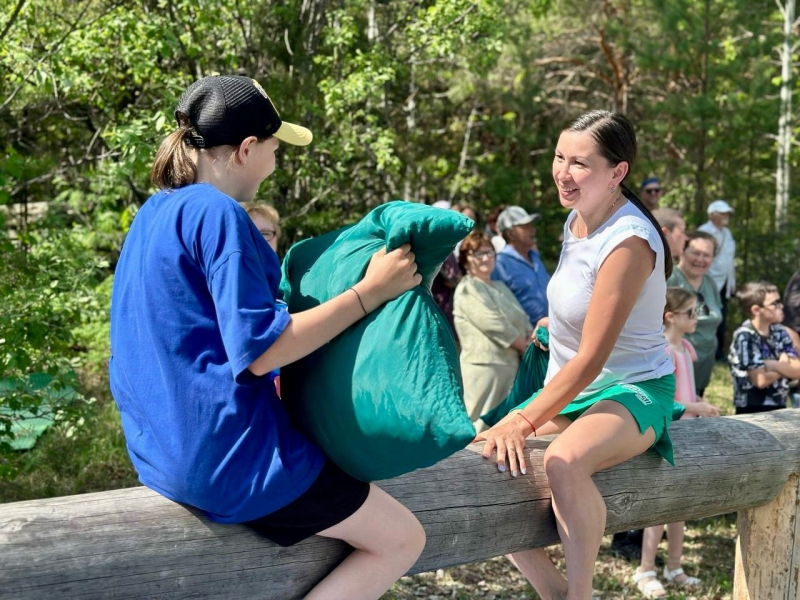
{"x": 419, "y": 100}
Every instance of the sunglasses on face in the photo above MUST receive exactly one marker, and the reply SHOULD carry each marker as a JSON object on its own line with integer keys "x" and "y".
{"x": 652, "y": 190}
{"x": 692, "y": 313}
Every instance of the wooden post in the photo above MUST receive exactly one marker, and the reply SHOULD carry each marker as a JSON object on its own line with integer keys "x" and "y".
{"x": 768, "y": 548}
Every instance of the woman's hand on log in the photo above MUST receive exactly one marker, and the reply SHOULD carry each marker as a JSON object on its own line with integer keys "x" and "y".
{"x": 507, "y": 438}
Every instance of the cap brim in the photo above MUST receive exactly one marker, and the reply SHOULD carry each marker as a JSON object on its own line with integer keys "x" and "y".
{"x": 528, "y": 219}
{"x": 294, "y": 134}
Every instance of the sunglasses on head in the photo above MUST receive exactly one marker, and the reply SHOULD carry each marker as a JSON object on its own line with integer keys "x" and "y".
{"x": 702, "y": 307}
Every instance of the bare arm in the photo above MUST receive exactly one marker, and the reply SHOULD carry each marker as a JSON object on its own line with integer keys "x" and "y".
{"x": 387, "y": 276}
{"x": 619, "y": 281}
{"x": 764, "y": 376}
{"x": 787, "y": 366}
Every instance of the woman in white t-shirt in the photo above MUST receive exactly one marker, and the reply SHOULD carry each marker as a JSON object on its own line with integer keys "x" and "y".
{"x": 610, "y": 382}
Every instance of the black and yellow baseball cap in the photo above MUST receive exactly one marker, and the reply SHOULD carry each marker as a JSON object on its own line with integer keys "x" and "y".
{"x": 226, "y": 109}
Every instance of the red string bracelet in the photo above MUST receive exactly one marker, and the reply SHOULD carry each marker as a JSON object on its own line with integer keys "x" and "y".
{"x": 527, "y": 420}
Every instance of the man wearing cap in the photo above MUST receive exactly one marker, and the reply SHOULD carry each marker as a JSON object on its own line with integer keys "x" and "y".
{"x": 722, "y": 270}
{"x": 651, "y": 193}
{"x": 518, "y": 263}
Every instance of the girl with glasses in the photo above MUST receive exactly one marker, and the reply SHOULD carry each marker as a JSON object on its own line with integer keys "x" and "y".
{"x": 680, "y": 318}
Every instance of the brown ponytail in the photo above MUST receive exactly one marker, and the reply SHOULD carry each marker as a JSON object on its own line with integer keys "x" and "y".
{"x": 617, "y": 143}
{"x": 640, "y": 205}
{"x": 172, "y": 167}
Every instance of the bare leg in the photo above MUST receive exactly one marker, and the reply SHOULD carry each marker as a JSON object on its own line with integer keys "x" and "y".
{"x": 605, "y": 435}
{"x": 650, "y": 542}
{"x": 675, "y": 549}
{"x": 535, "y": 564}
{"x": 556, "y": 425}
{"x": 541, "y": 572}
{"x": 387, "y": 538}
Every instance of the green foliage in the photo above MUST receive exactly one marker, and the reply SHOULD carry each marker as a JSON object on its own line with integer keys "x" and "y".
{"x": 47, "y": 289}
{"x": 422, "y": 100}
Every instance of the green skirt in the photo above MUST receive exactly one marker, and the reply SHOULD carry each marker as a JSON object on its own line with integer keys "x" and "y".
{"x": 650, "y": 402}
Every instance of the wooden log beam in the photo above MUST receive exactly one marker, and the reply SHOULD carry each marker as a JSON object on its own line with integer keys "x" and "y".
{"x": 135, "y": 544}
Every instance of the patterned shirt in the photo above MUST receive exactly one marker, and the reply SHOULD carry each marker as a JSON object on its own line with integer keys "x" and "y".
{"x": 749, "y": 350}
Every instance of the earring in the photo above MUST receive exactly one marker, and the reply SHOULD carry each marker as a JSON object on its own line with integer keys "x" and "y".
{"x": 613, "y": 189}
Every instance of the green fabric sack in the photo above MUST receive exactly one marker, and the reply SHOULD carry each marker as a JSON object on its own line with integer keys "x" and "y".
{"x": 385, "y": 397}
{"x": 529, "y": 379}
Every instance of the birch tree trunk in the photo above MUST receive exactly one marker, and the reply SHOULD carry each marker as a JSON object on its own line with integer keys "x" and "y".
{"x": 785, "y": 120}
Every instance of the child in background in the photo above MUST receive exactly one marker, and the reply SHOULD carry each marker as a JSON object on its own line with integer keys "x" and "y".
{"x": 763, "y": 359}
{"x": 680, "y": 317}
{"x": 267, "y": 220}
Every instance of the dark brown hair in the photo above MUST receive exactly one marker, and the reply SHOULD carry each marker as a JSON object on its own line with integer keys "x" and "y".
{"x": 617, "y": 143}
{"x": 472, "y": 243}
{"x": 753, "y": 294}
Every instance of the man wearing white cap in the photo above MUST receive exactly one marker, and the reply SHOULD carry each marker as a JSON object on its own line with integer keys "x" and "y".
{"x": 518, "y": 264}
{"x": 722, "y": 270}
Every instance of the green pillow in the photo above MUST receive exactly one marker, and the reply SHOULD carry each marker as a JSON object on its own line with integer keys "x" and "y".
{"x": 385, "y": 397}
{"x": 529, "y": 379}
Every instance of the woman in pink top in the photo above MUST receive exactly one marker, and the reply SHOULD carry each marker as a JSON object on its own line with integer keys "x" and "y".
{"x": 680, "y": 317}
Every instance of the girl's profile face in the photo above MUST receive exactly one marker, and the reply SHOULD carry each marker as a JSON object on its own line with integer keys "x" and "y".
{"x": 259, "y": 164}
{"x": 583, "y": 177}
{"x": 685, "y": 319}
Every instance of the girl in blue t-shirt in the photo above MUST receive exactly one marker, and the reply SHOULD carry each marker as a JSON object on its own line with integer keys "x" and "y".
{"x": 195, "y": 330}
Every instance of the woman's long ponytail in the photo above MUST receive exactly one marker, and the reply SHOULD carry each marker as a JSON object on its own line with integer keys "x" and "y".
{"x": 641, "y": 206}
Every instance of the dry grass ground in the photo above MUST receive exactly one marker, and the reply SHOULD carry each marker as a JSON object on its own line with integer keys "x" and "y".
{"x": 709, "y": 548}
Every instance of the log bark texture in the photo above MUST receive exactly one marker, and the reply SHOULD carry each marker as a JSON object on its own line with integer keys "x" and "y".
{"x": 135, "y": 544}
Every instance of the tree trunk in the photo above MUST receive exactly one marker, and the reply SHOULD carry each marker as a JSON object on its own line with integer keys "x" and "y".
{"x": 785, "y": 120}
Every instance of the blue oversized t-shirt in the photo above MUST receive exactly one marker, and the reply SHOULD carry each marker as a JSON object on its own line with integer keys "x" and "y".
{"x": 193, "y": 305}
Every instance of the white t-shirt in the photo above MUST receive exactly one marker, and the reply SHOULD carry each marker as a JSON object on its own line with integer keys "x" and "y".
{"x": 641, "y": 351}
{"x": 722, "y": 270}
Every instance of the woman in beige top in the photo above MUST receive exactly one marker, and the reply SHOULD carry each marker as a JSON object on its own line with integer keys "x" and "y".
{"x": 492, "y": 327}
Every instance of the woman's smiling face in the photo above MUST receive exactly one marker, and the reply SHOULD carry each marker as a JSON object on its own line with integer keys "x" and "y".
{"x": 697, "y": 257}
{"x": 582, "y": 175}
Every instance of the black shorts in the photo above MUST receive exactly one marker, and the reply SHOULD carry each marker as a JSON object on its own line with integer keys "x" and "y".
{"x": 333, "y": 497}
